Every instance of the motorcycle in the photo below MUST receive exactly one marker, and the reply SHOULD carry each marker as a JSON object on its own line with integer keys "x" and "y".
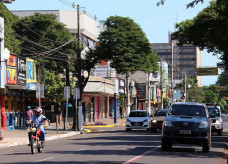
{"x": 36, "y": 139}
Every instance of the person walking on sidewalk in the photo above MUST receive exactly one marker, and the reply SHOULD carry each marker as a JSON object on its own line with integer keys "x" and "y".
{"x": 38, "y": 119}
{"x": 59, "y": 115}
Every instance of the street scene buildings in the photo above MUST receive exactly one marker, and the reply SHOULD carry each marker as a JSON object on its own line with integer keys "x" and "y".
{"x": 20, "y": 76}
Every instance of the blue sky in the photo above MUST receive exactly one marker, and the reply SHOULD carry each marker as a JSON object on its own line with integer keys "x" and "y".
{"x": 155, "y": 21}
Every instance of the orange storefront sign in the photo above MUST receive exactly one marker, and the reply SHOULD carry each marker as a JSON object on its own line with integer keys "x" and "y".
{"x": 86, "y": 98}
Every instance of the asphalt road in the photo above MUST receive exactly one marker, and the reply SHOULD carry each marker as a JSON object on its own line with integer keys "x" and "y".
{"x": 116, "y": 146}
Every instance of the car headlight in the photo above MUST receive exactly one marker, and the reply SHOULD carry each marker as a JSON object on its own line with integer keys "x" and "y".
{"x": 167, "y": 123}
{"x": 146, "y": 120}
{"x": 203, "y": 124}
{"x": 219, "y": 121}
{"x": 128, "y": 120}
{"x": 154, "y": 121}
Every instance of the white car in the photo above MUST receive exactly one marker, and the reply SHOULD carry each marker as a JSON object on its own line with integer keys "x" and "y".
{"x": 138, "y": 119}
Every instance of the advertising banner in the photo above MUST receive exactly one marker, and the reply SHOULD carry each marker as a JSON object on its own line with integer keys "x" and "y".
{"x": 21, "y": 69}
{"x": 11, "y": 70}
{"x": 31, "y": 74}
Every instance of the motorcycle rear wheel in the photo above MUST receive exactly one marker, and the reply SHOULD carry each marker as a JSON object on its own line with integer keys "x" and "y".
{"x": 33, "y": 146}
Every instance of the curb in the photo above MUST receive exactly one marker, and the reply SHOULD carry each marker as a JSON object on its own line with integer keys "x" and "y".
{"x": 103, "y": 126}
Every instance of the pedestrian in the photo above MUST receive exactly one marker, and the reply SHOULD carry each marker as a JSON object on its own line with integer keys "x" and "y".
{"x": 59, "y": 115}
{"x": 121, "y": 112}
{"x": 29, "y": 113}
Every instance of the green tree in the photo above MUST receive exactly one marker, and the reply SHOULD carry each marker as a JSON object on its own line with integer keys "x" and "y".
{"x": 222, "y": 79}
{"x": 208, "y": 30}
{"x": 196, "y": 94}
{"x": 166, "y": 102}
{"x": 11, "y": 42}
{"x": 125, "y": 44}
{"x": 190, "y": 4}
{"x": 52, "y": 45}
{"x": 211, "y": 94}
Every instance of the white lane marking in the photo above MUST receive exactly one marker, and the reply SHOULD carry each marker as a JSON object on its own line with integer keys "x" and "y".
{"x": 142, "y": 155}
{"x": 82, "y": 149}
{"x": 44, "y": 159}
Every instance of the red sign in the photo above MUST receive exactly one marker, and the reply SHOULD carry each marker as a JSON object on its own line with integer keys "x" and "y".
{"x": 11, "y": 70}
{"x": 86, "y": 98}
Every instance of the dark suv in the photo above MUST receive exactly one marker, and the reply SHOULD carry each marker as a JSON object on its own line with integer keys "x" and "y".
{"x": 187, "y": 123}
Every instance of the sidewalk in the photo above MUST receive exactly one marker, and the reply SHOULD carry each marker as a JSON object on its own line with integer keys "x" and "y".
{"x": 20, "y": 136}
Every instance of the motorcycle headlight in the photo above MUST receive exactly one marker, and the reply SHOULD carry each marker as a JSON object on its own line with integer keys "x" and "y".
{"x": 203, "y": 124}
{"x": 167, "y": 123}
{"x": 154, "y": 121}
{"x": 33, "y": 129}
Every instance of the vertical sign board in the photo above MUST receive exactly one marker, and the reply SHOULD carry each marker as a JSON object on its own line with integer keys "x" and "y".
{"x": 31, "y": 77}
{"x": 116, "y": 89}
{"x": 21, "y": 69}
{"x": 121, "y": 87}
{"x": 2, "y": 80}
{"x": 11, "y": 70}
{"x": 141, "y": 88}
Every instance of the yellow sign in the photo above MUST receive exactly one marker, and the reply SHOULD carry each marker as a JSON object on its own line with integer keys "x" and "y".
{"x": 225, "y": 98}
{"x": 221, "y": 88}
{"x": 207, "y": 71}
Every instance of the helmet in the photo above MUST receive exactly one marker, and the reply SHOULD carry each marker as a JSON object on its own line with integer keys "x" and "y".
{"x": 28, "y": 107}
{"x": 38, "y": 110}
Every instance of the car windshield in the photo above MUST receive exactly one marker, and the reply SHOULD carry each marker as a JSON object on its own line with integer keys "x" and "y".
{"x": 138, "y": 114}
{"x": 188, "y": 110}
{"x": 213, "y": 111}
{"x": 160, "y": 112}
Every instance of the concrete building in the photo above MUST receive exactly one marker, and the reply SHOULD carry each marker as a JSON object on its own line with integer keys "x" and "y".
{"x": 180, "y": 59}
{"x": 88, "y": 25}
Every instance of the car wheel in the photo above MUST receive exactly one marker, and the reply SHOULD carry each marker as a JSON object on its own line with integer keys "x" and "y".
{"x": 166, "y": 145}
{"x": 206, "y": 146}
{"x": 220, "y": 132}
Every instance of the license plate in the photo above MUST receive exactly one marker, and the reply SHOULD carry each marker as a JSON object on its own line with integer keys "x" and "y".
{"x": 185, "y": 131}
{"x": 137, "y": 124}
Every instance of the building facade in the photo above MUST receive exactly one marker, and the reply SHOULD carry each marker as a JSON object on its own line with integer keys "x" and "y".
{"x": 180, "y": 59}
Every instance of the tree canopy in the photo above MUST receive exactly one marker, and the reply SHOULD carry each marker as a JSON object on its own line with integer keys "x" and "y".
{"x": 125, "y": 44}
{"x": 11, "y": 42}
{"x": 208, "y": 30}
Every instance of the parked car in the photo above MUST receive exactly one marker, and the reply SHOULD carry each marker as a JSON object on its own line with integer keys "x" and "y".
{"x": 157, "y": 119}
{"x": 216, "y": 119}
{"x": 187, "y": 123}
{"x": 138, "y": 119}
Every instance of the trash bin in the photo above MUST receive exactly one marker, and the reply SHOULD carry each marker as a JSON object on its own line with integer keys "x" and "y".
{"x": 7, "y": 119}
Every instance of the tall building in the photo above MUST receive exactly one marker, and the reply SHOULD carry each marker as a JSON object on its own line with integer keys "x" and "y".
{"x": 180, "y": 59}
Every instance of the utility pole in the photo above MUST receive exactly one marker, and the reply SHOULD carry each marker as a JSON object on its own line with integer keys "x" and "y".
{"x": 185, "y": 85}
{"x": 161, "y": 79}
{"x": 148, "y": 101}
{"x": 79, "y": 73}
{"x": 128, "y": 95}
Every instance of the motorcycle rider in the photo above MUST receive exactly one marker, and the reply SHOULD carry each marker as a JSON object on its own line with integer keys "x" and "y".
{"x": 38, "y": 119}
